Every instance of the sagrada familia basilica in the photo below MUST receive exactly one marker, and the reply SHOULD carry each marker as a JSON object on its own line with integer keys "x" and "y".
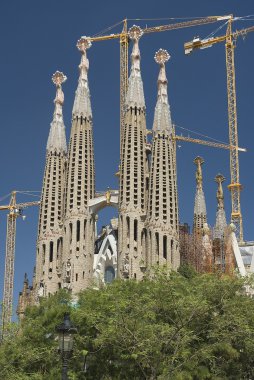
{"x": 70, "y": 254}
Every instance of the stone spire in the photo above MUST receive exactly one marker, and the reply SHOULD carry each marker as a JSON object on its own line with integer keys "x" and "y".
{"x": 207, "y": 251}
{"x": 133, "y": 172}
{"x": 162, "y": 218}
{"x": 57, "y": 139}
{"x": 200, "y": 216}
{"x": 221, "y": 222}
{"x": 49, "y": 243}
{"x": 162, "y": 115}
{"x": 135, "y": 94}
{"x": 80, "y": 187}
{"x": 82, "y": 102}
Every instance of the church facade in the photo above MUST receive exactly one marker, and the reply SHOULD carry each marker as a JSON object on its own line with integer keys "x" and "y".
{"x": 69, "y": 253}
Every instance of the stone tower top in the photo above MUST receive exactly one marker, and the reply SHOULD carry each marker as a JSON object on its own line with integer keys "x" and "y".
{"x": 220, "y": 196}
{"x": 199, "y": 177}
{"x": 135, "y": 94}
{"x": 200, "y": 216}
{"x": 82, "y": 103}
{"x": 57, "y": 139}
{"x": 221, "y": 221}
{"x": 162, "y": 115}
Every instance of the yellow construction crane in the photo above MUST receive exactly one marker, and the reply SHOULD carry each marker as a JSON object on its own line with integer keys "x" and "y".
{"x": 207, "y": 143}
{"x": 124, "y": 42}
{"x": 235, "y": 186}
{"x": 15, "y": 211}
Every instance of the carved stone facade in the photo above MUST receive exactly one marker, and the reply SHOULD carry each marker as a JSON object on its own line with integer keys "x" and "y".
{"x": 147, "y": 231}
{"x": 50, "y": 233}
{"x": 162, "y": 218}
{"x": 77, "y": 263}
{"x": 133, "y": 173}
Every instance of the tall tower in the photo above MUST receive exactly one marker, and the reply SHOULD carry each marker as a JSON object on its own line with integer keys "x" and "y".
{"x": 221, "y": 222}
{"x": 133, "y": 173}
{"x": 221, "y": 249}
{"x": 162, "y": 218}
{"x": 80, "y": 186}
{"x": 50, "y": 234}
{"x": 200, "y": 217}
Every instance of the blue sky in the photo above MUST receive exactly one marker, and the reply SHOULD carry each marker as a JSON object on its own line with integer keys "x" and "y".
{"x": 39, "y": 37}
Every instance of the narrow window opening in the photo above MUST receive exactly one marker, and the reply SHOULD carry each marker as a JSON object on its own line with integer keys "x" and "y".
{"x": 157, "y": 242}
{"x": 43, "y": 252}
{"x": 70, "y": 231}
{"x": 165, "y": 247}
{"x": 78, "y": 230}
{"x": 51, "y": 247}
{"x": 128, "y": 226}
{"x": 135, "y": 230}
{"x": 84, "y": 229}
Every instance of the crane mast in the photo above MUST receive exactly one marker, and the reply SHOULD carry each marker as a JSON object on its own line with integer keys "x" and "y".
{"x": 15, "y": 211}
{"x": 9, "y": 263}
{"x": 235, "y": 186}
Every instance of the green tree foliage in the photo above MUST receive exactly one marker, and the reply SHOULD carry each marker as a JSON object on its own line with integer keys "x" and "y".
{"x": 173, "y": 326}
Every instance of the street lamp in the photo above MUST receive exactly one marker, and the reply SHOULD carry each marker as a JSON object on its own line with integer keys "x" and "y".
{"x": 65, "y": 331}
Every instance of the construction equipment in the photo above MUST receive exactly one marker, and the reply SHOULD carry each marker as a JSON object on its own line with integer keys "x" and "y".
{"x": 235, "y": 186}
{"x": 15, "y": 211}
{"x": 208, "y": 143}
{"x": 124, "y": 42}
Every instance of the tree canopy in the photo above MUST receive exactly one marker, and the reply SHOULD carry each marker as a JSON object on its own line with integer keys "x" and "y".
{"x": 178, "y": 326}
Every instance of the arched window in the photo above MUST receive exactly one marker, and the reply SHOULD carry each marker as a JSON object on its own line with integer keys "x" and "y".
{"x": 109, "y": 275}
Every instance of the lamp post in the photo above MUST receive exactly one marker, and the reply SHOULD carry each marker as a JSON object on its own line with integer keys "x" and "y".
{"x": 65, "y": 331}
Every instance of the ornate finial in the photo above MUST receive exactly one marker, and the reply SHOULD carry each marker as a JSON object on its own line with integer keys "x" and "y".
{"x": 162, "y": 116}
{"x": 199, "y": 178}
{"x": 219, "y": 178}
{"x": 135, "y": 32}
{"x": 135, "y": 93}
{"x": 57, "y": 139}
{"x": 161, "y": 56}
{"x": 82, "y": 104}
{"x": 220, "y": 196}
{"x": 84, "y": 43}
{"x": 58, "y": 78}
